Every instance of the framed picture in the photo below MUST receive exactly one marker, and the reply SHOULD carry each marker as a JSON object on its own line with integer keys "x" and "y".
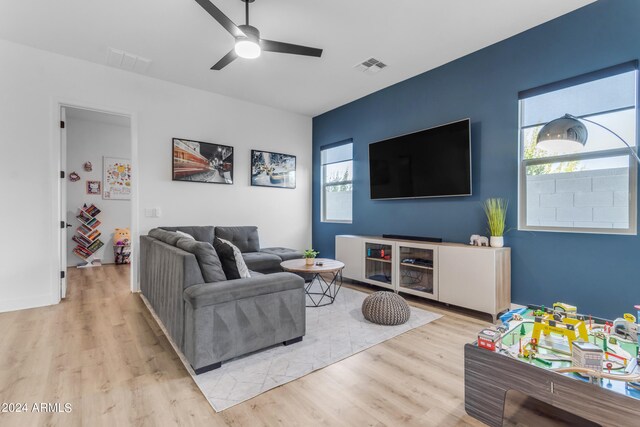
{"x": 202, "y": 162}
{"x": 116, "y": 178}
{"x": 94, "y": 188}
{"x": 273, "y": 169}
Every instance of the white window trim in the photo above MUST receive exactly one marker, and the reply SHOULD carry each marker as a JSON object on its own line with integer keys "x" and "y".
{"x": 323, "y": 186}
{"x": 522, "y": 187}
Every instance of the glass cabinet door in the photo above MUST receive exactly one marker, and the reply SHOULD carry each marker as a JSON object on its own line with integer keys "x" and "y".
{"x": 378, "y": 264}
{"x": 416, "y": 274}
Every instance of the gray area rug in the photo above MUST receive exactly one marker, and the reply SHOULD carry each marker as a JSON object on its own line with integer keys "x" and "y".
{"x": 334, "y": 332}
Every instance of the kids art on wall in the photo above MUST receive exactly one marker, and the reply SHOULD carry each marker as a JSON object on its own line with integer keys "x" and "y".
{"x": 117, "y": 179}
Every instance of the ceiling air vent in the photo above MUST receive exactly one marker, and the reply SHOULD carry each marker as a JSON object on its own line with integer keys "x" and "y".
{"x": 127, "y": 61}
{"x": 370, "y": 66}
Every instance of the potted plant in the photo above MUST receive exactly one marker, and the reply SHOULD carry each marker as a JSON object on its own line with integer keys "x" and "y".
{"x": 310, "y": 256}
{"x": 496, "y": 211}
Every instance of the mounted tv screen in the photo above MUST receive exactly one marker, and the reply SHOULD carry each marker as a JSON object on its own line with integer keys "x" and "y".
{"x": 434, "y": 162}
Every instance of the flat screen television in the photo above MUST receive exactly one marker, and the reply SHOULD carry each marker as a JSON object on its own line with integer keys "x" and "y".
{"x": 434, "y": 162}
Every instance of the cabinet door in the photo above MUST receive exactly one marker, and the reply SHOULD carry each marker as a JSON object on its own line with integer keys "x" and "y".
{"x": 378, "y": 263}
{"x": 349, "y": 250}
{"x": 467, "y": 277}
{"x": 417, "y": 269}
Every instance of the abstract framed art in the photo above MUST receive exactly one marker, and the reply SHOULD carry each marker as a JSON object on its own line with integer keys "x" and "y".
{"x": 202, "y": 162}
{"x": 270, "y": 169}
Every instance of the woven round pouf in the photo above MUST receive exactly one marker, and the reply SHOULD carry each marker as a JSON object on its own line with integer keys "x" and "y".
{"x": 385, "y": 308}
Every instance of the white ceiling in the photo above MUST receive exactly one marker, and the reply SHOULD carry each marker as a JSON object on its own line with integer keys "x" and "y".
{"x": 183, "y": 41}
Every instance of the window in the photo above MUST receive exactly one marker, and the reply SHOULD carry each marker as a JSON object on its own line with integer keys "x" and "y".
{"x": 593, "y": 189}
{"x": 337, "y": 182}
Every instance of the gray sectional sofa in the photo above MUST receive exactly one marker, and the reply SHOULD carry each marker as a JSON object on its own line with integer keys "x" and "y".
{"x": 217, "y": 320}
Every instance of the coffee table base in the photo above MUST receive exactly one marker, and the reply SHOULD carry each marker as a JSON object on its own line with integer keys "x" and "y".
{"x": 329, "y": 290}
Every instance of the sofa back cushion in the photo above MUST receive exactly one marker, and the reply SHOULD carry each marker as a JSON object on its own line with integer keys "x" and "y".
{"x": 168, "y": 237}
{"x": 202, "y": 233}
{"x": 244, "y": 238}
{"x": 207, "y": 257}
{"x": 232, "y": 261}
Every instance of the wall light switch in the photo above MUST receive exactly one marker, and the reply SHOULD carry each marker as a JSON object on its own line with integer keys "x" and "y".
{"x": 148, "y": 212}
{"x": 157, "y": 213}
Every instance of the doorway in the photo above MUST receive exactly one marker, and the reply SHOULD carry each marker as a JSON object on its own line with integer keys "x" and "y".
{"x": 96, "y": 192}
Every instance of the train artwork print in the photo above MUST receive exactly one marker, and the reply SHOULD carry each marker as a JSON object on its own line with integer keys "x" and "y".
{"x": 202, "y": 162}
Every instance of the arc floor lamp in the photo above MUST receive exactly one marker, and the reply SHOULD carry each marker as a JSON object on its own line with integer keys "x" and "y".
{"x": 568, "y": 134}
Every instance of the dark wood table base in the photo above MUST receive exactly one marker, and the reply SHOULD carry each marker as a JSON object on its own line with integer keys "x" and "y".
{"x": 488, "y": 376}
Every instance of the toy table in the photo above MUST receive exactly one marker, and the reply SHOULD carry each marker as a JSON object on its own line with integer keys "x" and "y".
{"x": 489, "y": 375}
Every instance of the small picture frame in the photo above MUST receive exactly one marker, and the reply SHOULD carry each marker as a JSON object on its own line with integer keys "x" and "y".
{"x": 94, "y": 188}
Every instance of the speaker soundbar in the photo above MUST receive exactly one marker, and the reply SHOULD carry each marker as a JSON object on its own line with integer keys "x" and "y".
{"x": 417, "y": 238}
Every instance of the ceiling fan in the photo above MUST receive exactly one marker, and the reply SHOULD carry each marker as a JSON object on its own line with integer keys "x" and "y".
{"x": 248, "y": 42}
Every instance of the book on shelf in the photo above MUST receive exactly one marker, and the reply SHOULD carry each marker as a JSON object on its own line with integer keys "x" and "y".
{"x": 95, "y": 246}
{"x": 92, "y": 210}
{"x": 80, "y": 254}
{"x": 81, "y": 242}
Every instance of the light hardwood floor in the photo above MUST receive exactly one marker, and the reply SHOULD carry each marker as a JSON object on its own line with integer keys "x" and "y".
{"x": 101, "y": 351}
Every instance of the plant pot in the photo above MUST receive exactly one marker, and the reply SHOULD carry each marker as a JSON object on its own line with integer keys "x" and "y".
{"x": 496, "y": 241}
{"x": 310, "y": 261}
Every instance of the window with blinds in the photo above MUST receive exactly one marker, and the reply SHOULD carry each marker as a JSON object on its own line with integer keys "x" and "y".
{"x": 337, "y": 182}
{"x": 592, "y": 189}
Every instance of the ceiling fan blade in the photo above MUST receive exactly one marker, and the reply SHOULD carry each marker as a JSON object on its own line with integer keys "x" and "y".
{"x": 294, "y": 49}
{"x": 221, "y": 18}
{"x": 226, "y": 60}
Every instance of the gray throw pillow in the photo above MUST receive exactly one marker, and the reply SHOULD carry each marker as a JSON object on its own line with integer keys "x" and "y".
{"x": 232, "y": 261}
{"x": 207, "y": 259}
{"x": 168, "y": 237}
{"x": 185, "y": 235}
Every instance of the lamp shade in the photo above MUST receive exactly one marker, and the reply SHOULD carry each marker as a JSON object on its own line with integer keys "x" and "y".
{"x": 563, "y": 135}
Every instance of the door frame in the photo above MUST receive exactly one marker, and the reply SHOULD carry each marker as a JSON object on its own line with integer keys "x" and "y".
{"x": 55, "y": 162}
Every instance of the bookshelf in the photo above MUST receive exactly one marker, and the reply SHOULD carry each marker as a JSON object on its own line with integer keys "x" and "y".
{"x": 87, "y": 237}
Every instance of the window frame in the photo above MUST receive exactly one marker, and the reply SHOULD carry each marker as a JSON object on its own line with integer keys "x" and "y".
{"x": 324, "y": 184}
{"x": 614, "y": 152}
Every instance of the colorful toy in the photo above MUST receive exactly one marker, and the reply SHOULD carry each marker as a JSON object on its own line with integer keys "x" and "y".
{"x": 567, "y": 327}
{"x": 626, "y": 327}
{"x": 587, "y": 355}
{"x": 569, "y": 310}
{"x": 487, "y": 339}
{"x": 121, "y": 237}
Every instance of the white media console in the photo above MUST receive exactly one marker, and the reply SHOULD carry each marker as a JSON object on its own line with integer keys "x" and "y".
{"x": 478, "y": 278}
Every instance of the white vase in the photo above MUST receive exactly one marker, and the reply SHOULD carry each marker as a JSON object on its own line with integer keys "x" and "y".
{"x": 496, "y": 241}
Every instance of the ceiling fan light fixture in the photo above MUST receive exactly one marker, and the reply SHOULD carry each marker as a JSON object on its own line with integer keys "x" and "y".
{"x": 248, "y": 49}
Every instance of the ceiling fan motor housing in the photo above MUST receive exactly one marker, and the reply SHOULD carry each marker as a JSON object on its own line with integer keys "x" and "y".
{"x": 251, "y": 32}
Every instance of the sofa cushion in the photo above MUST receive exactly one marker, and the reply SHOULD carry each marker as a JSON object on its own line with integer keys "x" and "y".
{"x": 234, "y": 290}
{"x": 232, "y": 262}
{"x": 168, "y": 237}
{"x": 186, "y": 235}
{"x": 262, "y": 262}
{"x": 207, "y": 257}
{"x": 285, "y": 253}
{"x": 202, "y": 233}
{"x": 245, "y": 238}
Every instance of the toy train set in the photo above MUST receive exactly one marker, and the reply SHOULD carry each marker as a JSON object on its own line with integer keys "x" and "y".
{"x": 559, "y": 339}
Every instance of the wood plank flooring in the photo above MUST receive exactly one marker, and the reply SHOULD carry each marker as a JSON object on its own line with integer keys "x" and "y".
{"x": 101, "y": 351}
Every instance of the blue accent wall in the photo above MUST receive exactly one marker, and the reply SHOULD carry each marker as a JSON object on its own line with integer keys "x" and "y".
{"x": 598, "y": 273}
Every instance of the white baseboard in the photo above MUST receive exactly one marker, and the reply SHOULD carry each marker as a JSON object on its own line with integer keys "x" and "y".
{"x": 24, "y": 303}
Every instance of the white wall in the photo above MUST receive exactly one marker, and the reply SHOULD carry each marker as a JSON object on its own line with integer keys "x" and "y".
{"x": 88, "y": 140}
{"x": 32, "y": 80}
{"x": 585, "y": 199}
